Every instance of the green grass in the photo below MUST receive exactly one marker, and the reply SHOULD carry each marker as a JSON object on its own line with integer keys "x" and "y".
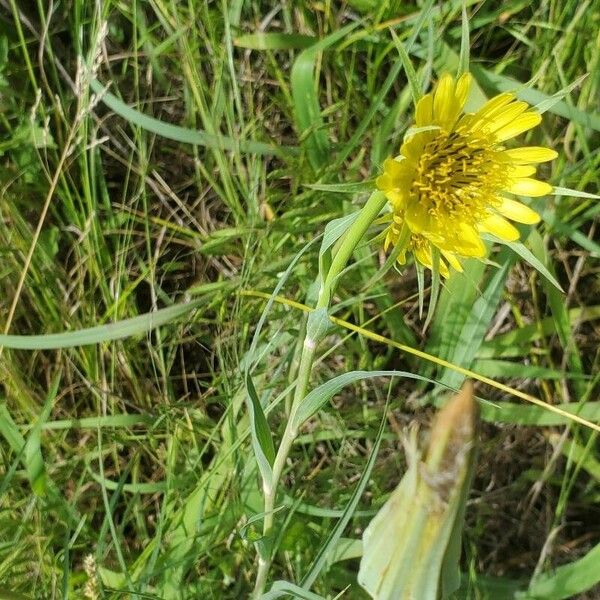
{"x": 230, "y": 135}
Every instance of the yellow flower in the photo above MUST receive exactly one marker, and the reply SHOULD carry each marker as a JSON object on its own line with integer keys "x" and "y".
{"x": 448, "y": 185}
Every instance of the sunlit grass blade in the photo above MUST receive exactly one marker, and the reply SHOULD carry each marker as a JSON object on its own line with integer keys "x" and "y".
{"x": 459, "y": 294}
{"x": 503, "y": 369}
{"x": 115, "y": 420}
{"x": 275, "y": 41}
{"x": 435, "y": 360}
{"x": 342, "y": 188}
{"x": 521, "y": 414}
{"x": 512, "y": 343}
{"x": 476, "y": 323}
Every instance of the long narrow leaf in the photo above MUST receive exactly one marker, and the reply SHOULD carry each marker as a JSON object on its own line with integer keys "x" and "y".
{"x": 285, "y": 588}
{"x": 567, "y": 581}
{"x": 528, "y": 256}
{"x": 262, "y": 442}
{"x": 274, "y": 41}
{"x": 322, "y": 394}
{"x": 101, "y": 333}
{"x": 185, "y": 135}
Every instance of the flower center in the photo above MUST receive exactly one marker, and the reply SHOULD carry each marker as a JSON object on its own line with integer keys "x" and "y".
{"x": 457, "y": 175}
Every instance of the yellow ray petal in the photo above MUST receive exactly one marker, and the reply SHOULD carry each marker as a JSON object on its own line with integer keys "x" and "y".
{"x": 517, "y": 212}
{"x": 529, "y": 187}
{"x": 396, "y": 198}
{"x": 522, "y": 123}
{"x": 454, "y": 262}
{"x": 444, "y": 271}
{"x": 423, "y": 255}
{"x": 506, "y": 115}
{"x": 522, "y": 171}
{"x": 417, "y": 218}
{"x": 424, "y": 111}
{"x": 413, "y": 147}
{"x": 384, "y": 182}
{"x": 401, "y": 260}
{"x": 388, "y": 242}
{"x": 463, "y": 86}
{"x": 500, "y": 227}
{"x": 530, "y": 154}
{"x": 444, "y": 102}
{"x": 493, "y": 105}
{"x": 469, "y": 243}
{"x": 463, "y": 243}
{"x": 392, "y": 167}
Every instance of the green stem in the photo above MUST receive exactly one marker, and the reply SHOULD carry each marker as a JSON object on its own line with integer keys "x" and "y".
{"x": 355, "y": 233}
{"x": 367, "y": 215}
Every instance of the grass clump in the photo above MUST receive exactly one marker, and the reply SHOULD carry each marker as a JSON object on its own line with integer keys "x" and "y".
{"x": 175, "y": 179}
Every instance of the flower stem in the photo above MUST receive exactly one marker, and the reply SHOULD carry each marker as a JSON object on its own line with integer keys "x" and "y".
{"x": 355, "y": 232}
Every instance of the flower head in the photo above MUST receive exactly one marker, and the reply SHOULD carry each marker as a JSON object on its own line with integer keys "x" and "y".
{"x": 449, "y": 184}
